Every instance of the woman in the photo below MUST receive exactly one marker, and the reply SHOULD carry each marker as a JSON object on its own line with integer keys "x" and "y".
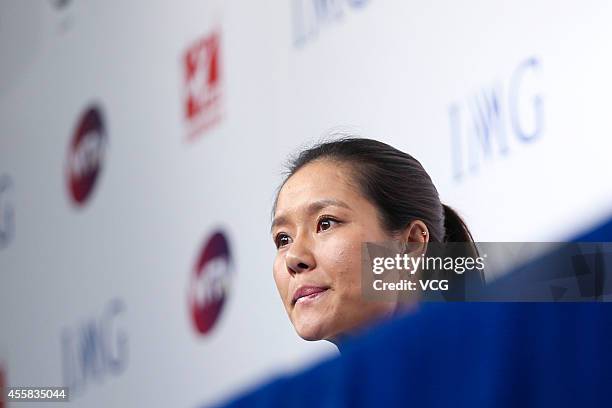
{"x": 336, "y": 196}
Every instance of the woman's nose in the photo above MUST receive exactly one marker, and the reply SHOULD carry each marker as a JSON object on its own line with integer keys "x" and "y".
{"x": 299, "y": 257}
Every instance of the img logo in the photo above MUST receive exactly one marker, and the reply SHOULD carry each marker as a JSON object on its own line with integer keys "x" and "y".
{"x": 487, "y": 124}
{"x": 210, "y": 283}
{"x": 310, "y": 16}
{"x": 94, "y": 349}
{"x": 202, "y": 84}
{"x": 85, "y": 155}
{"x": 7, "y": 215}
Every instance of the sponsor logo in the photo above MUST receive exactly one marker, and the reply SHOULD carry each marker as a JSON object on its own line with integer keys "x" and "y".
{"x": 95, "y": 349}
{"x": 202, "y": 69}
{"x": 497, "y": 119}
{"x": 210, "y": 283}
{"x": 311, "y": 16}
{"x": 86, "y": 155}
{"x": 7, "y": 214}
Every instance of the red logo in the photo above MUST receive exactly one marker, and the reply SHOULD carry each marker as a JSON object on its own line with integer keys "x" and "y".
{"x": 202, "y": 85}
{"x": 85, "y": 155}
{"x": 210, "y": 283}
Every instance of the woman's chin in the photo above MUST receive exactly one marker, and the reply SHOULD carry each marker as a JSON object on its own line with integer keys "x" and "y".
{"x": 310, "y": 330}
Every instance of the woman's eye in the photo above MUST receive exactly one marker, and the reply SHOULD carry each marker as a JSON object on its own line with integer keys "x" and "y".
{"x": 281, "y": 240}
{"x": 325, "y": 223}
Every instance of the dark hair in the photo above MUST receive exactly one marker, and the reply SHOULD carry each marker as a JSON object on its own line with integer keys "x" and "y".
{"x": 394, "y": 181}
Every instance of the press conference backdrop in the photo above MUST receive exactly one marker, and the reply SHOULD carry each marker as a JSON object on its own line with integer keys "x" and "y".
{"x": 142, "y": 143}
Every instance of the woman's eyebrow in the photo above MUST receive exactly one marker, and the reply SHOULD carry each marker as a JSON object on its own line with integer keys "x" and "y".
{"x": 311, "y": 209}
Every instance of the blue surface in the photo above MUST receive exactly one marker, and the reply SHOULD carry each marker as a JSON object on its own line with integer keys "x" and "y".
{"x": 465, "y": 355}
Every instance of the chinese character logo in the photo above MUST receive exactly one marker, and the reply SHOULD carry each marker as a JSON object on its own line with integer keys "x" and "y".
{"x": 202, "y": 85}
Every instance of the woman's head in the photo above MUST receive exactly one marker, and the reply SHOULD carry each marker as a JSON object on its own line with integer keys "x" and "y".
{"x": 336, "y": 196}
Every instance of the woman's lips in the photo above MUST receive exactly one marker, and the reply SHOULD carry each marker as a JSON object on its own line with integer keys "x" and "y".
{"x": 306, "y": 294}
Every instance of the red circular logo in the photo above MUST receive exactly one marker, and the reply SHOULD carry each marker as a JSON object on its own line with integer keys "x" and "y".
{"x": 86, "y": 154}
{"x": 210, "y": 283}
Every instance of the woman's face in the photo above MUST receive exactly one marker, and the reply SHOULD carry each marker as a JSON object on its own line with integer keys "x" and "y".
{"x": 320, "y": 222}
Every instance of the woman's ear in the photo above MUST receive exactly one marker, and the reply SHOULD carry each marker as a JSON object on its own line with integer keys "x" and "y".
{"x": 415, "y": 237}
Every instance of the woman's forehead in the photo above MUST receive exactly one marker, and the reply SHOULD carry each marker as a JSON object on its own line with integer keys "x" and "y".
{"x": 317, "y": 181}
{"x": 321, "y": 174}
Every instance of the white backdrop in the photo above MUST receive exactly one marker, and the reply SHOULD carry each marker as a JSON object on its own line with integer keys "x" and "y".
{"x": 505, "y": 106}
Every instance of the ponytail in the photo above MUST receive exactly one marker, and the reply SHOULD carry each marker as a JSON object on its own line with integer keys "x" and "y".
{"x": 455, "y": 229}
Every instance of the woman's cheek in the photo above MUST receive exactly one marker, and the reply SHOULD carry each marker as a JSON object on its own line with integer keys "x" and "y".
{"x": 343, "y": 258}
{"x": 333, "y": 256}
{"x": 281, "y": 279}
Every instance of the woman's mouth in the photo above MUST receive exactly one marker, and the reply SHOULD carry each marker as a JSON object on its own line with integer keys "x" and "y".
{"x": 307, "y": 294}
